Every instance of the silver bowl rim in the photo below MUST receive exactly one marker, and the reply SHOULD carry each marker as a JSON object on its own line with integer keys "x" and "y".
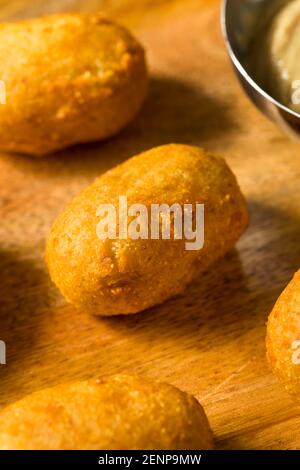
{"x": 243, "y": 71}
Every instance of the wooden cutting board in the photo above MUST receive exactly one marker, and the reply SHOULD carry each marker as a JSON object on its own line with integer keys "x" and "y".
{"x": 210, "y": 341}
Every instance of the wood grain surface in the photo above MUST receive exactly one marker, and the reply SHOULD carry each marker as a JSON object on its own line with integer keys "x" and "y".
{"x": 210, "y": 341}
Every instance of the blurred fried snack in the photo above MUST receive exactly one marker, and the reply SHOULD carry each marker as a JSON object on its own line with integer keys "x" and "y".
{"x": 283, "y": 337}
{"x": 69, "y": 78}
{"x": 117, "y": 412}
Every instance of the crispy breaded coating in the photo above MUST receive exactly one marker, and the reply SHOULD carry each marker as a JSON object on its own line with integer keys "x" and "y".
{"x": 117, "y": 412}
{"x": 69, "y": 78}
{"x": 283, "y": 337}
{"x": 121, "y": 276}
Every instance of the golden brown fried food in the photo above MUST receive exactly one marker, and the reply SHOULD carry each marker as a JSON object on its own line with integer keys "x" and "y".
{"x": 117, "y": 412}
{"x": 69, "y": 78}
{"x": 283, "y": 337}
{"x": 121, "y": 276}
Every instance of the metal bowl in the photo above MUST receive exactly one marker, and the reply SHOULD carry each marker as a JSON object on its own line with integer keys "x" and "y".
{"x": 240, "y": 20}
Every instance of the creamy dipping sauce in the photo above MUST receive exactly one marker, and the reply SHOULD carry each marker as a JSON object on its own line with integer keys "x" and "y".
{"x": 275, "y": 58}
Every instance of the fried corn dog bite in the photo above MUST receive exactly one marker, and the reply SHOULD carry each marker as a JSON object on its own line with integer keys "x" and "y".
{"x": 123, "y": 276}
{"x": 283, "y": 337}
{"x": 116, "y": 412}
{"x": 69, "y": 78}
